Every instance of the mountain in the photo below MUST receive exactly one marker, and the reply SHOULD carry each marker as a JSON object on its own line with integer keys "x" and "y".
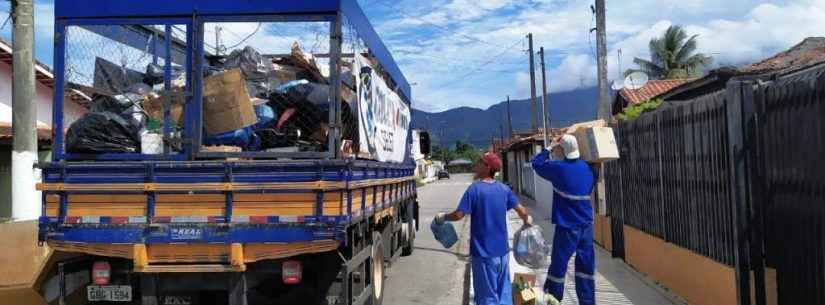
{"x": 477, "y": 126}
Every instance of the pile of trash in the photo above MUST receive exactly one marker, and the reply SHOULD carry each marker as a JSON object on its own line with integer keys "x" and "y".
{"x": 250, "y": 101}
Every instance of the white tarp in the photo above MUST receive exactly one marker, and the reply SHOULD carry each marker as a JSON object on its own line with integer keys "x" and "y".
{"x": 383, "y": 118}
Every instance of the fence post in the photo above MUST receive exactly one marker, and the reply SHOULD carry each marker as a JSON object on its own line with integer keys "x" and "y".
{"x": 737, "y": 112}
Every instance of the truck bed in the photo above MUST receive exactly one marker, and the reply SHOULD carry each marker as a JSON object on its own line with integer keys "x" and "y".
{"x": 270, "y": 209}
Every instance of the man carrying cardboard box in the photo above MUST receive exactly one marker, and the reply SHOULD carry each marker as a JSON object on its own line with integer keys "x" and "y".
{"x": 573, "y": 181}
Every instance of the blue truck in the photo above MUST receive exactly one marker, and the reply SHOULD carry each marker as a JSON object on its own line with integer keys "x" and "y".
{"x": 248, "y": 169}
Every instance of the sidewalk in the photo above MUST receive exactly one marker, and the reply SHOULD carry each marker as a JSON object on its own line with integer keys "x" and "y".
{"x": 616, "y": 282}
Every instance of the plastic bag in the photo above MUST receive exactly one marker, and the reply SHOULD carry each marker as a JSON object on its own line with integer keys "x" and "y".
{"x": 155, "y": 73}
{"x": 529, "y": 248}
{"x": 102, "y": 132}
{"x": 255, "y": 69}
{"x": 444, "y": 233}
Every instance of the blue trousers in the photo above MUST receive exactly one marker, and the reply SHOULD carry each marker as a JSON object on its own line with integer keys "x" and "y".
{"x": 491, "y": 280}
{"x": 567, "y": 241}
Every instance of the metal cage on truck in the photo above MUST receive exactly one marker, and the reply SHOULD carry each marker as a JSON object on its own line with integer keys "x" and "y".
{"x": 185, "y": 210}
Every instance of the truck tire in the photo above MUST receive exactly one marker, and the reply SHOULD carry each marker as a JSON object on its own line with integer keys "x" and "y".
{"x": 377, "y": 268}
{"x": 409, "y": 225}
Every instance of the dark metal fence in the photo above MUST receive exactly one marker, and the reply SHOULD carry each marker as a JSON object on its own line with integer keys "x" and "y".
{"x": 735, "y": 176}
{"x": 789, "y": 185}
{"x": 671, "y": 181}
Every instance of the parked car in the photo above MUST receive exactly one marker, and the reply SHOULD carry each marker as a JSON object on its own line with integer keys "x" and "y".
{"x": 443, "y": 174}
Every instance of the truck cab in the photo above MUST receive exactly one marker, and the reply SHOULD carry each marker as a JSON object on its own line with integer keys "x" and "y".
{"x": 247, "y": 152}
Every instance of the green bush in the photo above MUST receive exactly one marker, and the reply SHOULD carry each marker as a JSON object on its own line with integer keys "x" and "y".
{"x": 632, "y": 112}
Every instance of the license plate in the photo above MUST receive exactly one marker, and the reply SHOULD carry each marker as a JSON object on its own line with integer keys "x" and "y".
{"x": 109, "y": 293}
{"x": 186, "y": 233}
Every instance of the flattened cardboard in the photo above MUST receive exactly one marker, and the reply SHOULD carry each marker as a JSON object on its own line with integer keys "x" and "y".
{"x": 226, "y": 103}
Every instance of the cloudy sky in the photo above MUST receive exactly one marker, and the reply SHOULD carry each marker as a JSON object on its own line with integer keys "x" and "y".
{"x": 473, "y": 52}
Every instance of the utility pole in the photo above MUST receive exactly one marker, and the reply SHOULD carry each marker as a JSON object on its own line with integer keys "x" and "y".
{"x": 533, "y": 107}
{"x": 25, "y": 200}
{"x": 604, "y": 94}
{"x": 601, "y": 50}
{"x": 509, "y": 118}
{"x": 218, "y": 30}
{"x": 544, "y": 116}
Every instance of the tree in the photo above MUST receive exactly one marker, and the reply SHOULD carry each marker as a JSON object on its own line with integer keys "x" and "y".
{"x": 466, "y": 151}
{"x": 673, "y": 56}
{"x": 444, "y": 154}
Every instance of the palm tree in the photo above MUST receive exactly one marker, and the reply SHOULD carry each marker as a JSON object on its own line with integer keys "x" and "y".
{"x": 673, "y": 56}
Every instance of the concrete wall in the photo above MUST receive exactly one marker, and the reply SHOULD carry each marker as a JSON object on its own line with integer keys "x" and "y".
{"x": 697, "y": 279}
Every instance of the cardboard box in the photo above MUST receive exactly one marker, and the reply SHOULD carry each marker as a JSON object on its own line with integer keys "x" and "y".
{"x": 226, "y": 103}
{"x": 597, "y": 144}
{"x": 523, "y": 286}
{"x": 153, "y": 105}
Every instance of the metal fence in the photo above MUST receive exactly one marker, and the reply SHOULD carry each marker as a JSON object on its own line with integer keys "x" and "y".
{"x": 528, "y": 185}
{"x": 672, "y": 179}
{"x": 735, "y": 176}
{"x": 788, "y": 188}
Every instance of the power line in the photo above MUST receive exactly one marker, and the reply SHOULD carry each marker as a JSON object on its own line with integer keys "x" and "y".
{"x": 246, "y": 38}
{"x": 474, "y": 71}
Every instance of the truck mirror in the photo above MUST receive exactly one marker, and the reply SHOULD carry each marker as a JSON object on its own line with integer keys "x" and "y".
{"x": 424, "y": 141}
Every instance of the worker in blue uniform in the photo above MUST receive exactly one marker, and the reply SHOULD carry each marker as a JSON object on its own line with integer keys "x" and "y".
{"x": 573, "y": 181}
{"x": 487, "y": 202}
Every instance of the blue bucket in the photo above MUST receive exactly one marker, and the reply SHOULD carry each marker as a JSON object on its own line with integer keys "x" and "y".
{"x": 444, "y": 233}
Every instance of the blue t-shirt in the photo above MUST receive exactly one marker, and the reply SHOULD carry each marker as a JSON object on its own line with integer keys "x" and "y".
{"x": 571, "y": 179}
{"x": 487, "y": 204}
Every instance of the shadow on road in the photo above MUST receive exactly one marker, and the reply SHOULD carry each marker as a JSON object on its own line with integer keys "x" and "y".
{"x": 463, "y": 257}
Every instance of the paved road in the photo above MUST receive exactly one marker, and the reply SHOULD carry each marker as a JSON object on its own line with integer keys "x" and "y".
{"x": 434, "y": 275}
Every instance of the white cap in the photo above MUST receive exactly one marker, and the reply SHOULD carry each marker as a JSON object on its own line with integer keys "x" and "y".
{"x": 570, "y": 146}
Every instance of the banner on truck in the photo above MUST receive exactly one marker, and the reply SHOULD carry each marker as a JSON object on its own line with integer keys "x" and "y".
{"x": 383, "y": 118}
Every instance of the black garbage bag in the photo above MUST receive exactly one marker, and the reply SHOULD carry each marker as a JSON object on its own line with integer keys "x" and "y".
{"x": 251, "y": 62}
{"x": 310, "y": 102}
{"x": 102, "y": 132}
{"x": 255, "y": 70}
{"x": 114, "y": 79}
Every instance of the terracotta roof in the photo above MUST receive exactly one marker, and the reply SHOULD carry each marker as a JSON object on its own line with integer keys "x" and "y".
{"x": 43, "y": 132}
{"x": 651, "y": 90}
{"x": 808, "y": 52}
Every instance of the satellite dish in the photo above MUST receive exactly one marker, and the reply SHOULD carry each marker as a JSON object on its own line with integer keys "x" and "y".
{"x": 617, "y": 85}
{"x": 635, "y": 80}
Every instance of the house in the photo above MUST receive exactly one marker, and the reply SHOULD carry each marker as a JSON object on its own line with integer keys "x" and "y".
{"x": 74, "y": 109}
{"x": 460, "y": 166}
{"x": 519, "y": 174}
{"x": 653, "y": 89}
{"x": 810, "y": 52}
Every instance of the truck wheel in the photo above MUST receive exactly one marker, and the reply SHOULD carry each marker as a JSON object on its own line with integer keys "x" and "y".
{"x": 409, "y": 228}
{"x": 377, "y": 266}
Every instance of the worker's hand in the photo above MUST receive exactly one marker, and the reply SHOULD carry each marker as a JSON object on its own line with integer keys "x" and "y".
{"x": 529, "y": 221}
{"x": 439, "y": 218}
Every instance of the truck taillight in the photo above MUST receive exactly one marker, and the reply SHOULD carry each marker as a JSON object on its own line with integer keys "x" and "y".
{"x": 291, "y": 271}
{"x": 101, "y": 273}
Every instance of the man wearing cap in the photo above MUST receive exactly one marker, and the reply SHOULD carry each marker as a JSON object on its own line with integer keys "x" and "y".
{"x": 487, "y": 202}
{"x": 573, "y": 181}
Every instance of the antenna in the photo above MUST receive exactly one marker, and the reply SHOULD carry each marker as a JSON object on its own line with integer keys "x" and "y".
{"x": 636, "y": 80}
{"x": 617, "y": 85}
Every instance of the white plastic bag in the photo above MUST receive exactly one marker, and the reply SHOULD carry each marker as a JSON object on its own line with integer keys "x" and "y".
{"x": 151, "y": 144}
{"x": 529, "y": 248}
